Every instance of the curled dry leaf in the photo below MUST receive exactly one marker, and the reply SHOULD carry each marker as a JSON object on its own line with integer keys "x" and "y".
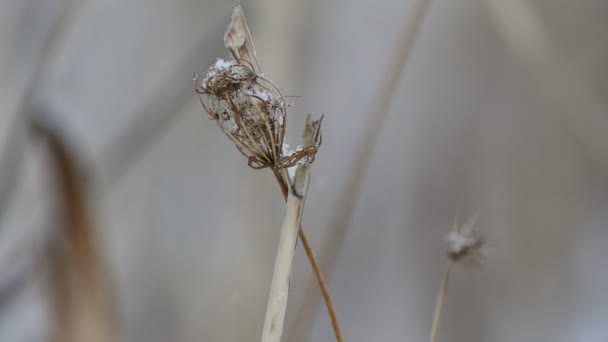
{"x": 238, "y": 40}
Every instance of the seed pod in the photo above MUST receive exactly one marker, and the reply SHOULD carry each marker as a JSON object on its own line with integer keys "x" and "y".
{"x": 249, "y": 109}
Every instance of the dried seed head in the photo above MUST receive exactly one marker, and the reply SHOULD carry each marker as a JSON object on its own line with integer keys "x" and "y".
{"x": 465, "y": 244}
{"x": 251, "y": 111}
{"x": 249, "y": 108}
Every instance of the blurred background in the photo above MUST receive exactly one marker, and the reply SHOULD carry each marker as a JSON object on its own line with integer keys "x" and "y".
{"x": 500, "y": 110}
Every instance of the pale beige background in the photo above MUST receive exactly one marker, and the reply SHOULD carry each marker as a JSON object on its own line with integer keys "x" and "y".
{"x": 501, "y": 111}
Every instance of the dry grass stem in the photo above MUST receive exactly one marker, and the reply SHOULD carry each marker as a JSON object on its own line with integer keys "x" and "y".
{"x": 529, "y": 34}
{"x": 279, "y": 289}
{"x": 466, "y": 246}
{"x": 283, "y": 181}
{"x": 439, "y": 299}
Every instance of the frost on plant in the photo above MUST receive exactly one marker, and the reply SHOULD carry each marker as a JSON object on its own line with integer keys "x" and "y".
{"x": 251, "y": 110}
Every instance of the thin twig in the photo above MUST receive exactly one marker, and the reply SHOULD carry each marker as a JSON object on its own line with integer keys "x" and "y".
{"x": 439, "y": 300}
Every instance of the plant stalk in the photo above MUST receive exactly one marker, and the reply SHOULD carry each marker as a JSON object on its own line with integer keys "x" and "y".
{"x": 311, "y": 138}
{"x": 315, "y": 266}
{"x": 279, "y": 288}
{"x": 439, "y": 303}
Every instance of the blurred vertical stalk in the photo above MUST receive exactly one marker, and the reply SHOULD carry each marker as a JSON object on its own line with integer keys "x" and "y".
{"x": 439, "y": 300}
{"x": 11, "y": 150}
{"x": 464, "y": 245}
{"x": 347, "y": 200}
{"x": 82, "y": 312}
{"x": 556, "y": 75}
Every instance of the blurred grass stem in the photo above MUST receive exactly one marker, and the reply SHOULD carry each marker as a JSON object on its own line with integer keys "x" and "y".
{"x": 439, "y": 302}
{"x": 339, "y": 222}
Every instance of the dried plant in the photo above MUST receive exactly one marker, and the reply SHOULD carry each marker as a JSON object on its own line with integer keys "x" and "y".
{"x": 466, "y": 246}
{"x": 251, "y": 110}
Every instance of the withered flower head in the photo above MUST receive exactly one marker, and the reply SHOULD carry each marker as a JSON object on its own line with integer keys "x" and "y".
{"x": 249, "y": 108}
{"x": 251, "y": 111}
{"x": 464, "y": 244}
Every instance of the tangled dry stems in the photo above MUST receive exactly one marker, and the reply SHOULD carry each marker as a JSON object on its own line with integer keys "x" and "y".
{"x": 251, "y": 110}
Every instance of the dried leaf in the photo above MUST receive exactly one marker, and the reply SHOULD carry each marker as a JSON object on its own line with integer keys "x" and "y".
{"x": 239, "y": 42}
